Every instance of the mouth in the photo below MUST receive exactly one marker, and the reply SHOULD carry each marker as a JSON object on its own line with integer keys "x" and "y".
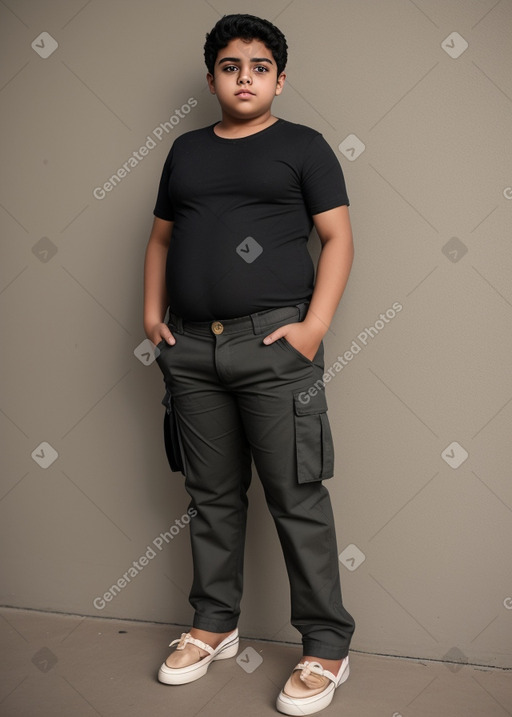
{"x": 244, "y": 93}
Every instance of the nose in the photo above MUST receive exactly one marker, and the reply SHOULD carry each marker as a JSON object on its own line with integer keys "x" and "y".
{"x": 244, "y": 80}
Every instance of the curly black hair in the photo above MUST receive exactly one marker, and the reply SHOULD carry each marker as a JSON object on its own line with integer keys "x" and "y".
{"x": 247, "y": 27}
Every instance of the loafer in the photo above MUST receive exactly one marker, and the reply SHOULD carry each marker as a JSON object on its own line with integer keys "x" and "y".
{"x": 181, "y": 675}
{"x": 315, "y": 693}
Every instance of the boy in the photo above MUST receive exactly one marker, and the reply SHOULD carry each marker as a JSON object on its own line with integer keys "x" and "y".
{"x": 227, "y": 255}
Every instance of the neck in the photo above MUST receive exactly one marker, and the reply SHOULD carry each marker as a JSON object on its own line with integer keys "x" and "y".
{"x": 230, "y": 127}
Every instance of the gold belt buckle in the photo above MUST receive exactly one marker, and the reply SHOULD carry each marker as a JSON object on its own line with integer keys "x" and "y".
{"x": 217, "y": 327}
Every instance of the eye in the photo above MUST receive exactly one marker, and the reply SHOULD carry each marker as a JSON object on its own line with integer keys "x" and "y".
{"x": 261, "y": 68}
{"x": 230, "y": 68}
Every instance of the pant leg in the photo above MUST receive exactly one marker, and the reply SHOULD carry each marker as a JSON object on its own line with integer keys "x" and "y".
{"x": 217, "y": 467}
{"x": 286, "y": 425}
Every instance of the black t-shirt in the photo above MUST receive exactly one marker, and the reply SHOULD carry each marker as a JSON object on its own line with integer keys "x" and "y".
{"x": 242, "y": 212}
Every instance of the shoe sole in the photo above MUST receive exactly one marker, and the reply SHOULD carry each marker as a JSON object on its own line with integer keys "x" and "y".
{"x": 297, "y": 707}
{"x": 183, "y": 675}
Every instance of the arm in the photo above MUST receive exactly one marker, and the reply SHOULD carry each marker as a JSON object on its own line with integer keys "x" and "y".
{"x": 333, "y": 228}
{"x": 155, "y": 293}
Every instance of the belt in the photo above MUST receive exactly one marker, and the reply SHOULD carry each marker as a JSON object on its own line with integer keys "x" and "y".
{"x": 257, "y": 323}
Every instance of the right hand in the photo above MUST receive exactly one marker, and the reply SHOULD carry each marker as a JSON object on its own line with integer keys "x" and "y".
{"x": 161, "y": 332}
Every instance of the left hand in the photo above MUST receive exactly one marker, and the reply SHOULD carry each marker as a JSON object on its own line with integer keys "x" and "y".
{"x": 303, "y": 339}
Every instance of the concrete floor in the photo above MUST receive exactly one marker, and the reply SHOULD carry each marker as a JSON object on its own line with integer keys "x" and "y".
{"x": 53, "y": 665}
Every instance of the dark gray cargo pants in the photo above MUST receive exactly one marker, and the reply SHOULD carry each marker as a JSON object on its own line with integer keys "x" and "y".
{"x": 233, "y": 397}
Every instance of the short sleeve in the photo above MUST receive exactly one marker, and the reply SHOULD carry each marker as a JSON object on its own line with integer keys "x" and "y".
{"x": 323, "y": 183}
{"x": 163, "y": 207}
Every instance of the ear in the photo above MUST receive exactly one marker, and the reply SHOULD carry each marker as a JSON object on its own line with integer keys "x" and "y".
{"x": 211, "y": 82}
{"x": 280, "y": 83}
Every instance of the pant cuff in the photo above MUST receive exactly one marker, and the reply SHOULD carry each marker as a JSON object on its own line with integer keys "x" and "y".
{"x": 326, "y": 652}
{"x": 204, "y": 623}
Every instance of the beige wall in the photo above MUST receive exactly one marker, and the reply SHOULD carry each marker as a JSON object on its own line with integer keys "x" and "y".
{"x": 434, "y": 181}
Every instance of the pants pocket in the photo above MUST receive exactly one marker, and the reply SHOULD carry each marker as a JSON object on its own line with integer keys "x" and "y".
{"x": 173, "y": 448}
{"x": 313, "y": 438}
{"x": 291, "y": 348}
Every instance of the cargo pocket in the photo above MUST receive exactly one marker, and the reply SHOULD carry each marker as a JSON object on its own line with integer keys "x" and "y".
{"x": 172, "y": 440}
{"x": 313, "y": 438}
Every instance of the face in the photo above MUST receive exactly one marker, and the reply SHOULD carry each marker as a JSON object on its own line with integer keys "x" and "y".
{"x": 245, "y": 79}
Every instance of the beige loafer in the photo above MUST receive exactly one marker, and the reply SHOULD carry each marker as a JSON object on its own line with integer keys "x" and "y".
{"x": 196, "y": 665}
{"x": 310, "y": 688}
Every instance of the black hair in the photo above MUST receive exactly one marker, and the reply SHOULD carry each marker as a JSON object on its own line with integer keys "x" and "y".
{"x": 246, "y": 27}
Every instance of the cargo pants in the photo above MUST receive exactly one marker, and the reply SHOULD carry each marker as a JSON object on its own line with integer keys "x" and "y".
{"x": 230, "y": 399}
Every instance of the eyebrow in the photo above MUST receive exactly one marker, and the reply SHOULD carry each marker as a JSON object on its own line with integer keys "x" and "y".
{"x": 253, "y": 59}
